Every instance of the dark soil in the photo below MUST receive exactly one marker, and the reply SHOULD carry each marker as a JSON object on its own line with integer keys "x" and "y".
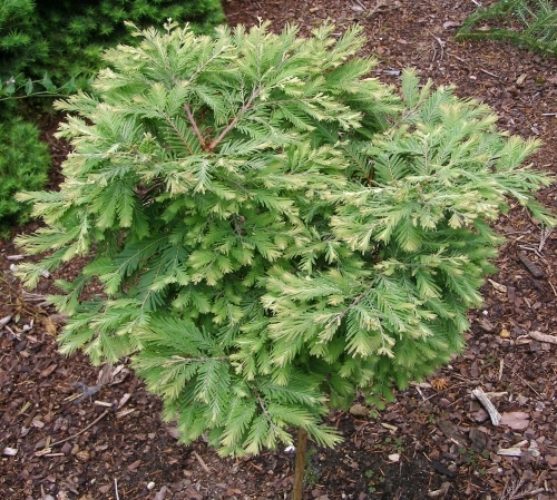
{"x": 90, "y": 433}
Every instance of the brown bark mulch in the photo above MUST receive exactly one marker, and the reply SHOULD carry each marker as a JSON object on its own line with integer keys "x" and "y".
{"x": 69, "y": 430}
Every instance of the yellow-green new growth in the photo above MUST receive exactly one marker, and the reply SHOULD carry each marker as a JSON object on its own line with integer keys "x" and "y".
{"x": 274, "y": 230}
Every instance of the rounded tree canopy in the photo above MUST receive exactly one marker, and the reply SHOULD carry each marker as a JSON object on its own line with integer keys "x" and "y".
{"x": 274, "y": 230}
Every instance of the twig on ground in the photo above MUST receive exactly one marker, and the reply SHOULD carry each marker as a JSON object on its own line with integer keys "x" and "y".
{"x": 535, "y": 270}
{"x": 441, "y": 46}
{"x": 15, "y": 257}
{"x": 116, "y": 489}
{"x": 420, "y": 393}
{"x": 481, "y": 396}
{"x": 201, "y": 462}
{"x": 376, "y": 8}
{"x": 87, "y": 391}
{"x": 543, "y": 337}
{"x": 16, "y": 335}
{"x": 552, "y": 287}
{"x": 34, "y": 297}
{"x": 545, "y": 234}
{"x": 514, "y": 451}
{"x": 530, "y": 386}
{"x": 104, "y": 404}
{"x": 69, "y": 438}
{"x": 519, "y": 483}
{"x": 489, "y": 73}
{"x": 459, "y": 384}
{"x": 527, "y": 494}
{"x": 531, "y": 248}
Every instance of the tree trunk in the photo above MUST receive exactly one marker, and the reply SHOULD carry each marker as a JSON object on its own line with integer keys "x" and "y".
{"x": 300, "y": 465}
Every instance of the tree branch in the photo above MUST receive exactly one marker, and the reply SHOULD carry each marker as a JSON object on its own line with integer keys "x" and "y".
{"x": 200, "y": 359}
{"x": 247, "y": 105}
{"x": 194, "y": 126}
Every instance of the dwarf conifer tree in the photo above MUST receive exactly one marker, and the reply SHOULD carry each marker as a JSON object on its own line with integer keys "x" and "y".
{"x": 275, "y": 232}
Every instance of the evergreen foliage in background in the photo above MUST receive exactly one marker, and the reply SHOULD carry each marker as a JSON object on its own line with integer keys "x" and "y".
{"x": 275, "y": 232}
{"x": 24, "y": 163}
{"x": 20, "y": 45}
{"x": 51, "y": 48}
{"x": 64, "y": 39}
{"x": 527, "y": 23}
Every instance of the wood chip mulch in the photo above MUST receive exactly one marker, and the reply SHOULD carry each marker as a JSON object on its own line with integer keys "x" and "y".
{"x": 69, "y": 430}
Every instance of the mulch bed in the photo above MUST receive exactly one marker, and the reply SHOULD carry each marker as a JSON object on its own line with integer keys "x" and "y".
{"x": 70, "y": 430}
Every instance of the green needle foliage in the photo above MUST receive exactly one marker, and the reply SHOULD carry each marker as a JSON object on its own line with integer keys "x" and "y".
{"x": 18, "y": 42}
{"x": 528, "y": 23}
{"x": 52, "y": 47}
{"x": 24, "y": 163}
{"x": 275, "y": 232}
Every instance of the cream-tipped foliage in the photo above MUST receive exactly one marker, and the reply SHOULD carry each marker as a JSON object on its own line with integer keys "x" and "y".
{"x": 274, "y": 230}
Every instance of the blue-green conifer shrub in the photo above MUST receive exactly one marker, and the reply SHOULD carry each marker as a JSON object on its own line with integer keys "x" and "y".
{"x": 275, "y": 231}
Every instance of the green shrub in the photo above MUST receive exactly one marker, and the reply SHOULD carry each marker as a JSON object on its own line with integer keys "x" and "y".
{"x": 64, "y": 39}
{"x": 527, "y": 23}
{"x": 274, "y": 230}
{"x": 85, "y": 29}
{"x": 20, "y": 44}
{"x": 24, "y": 163}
